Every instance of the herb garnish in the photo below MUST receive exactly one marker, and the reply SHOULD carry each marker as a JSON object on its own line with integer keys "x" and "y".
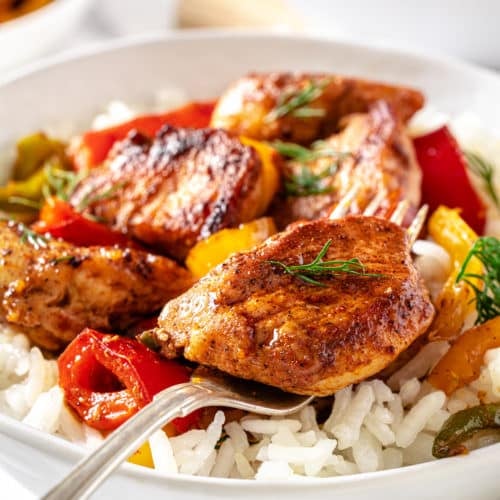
{"x": 485, "y": 170}
{"x": 319, "y": 149}
{"x": 61, "y": 183}
{"x": 307, "y": 183}
{"x": 325, "y": 267}
{"x": 487, "y": 250}
{"x": 89, "y": 199}
{"x": 295, "y": 103}
{"x": 29, "y": 236}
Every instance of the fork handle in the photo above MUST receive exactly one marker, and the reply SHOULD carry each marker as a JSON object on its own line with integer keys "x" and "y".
{"x": 90, "y": 472}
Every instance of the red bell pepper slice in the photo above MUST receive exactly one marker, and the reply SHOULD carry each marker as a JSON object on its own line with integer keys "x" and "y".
{"x": 445, "y": 180}
{"x": 107, "y": 378}
{"x": 93, "y": 146}
{"x": 59, "y": 219}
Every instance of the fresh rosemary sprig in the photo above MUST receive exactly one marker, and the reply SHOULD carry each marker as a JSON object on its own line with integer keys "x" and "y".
{"x": 487, "y": 250}
{"x": 34, "y": 239}
{"x": 89, "y": 199}
{"x": 486, "y": 171}
{"x": 319, "y": 149}
{"x": 307, "y": 183}
{"x": 61, "y": 183}
{"x": 319, "y": 267}
{"x": 295, "y": 103}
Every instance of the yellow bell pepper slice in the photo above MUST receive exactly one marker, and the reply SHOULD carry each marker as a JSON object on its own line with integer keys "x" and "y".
{"x": 455, "y": 302}
{"x": 33, "y": 151}
{"x": 462, "y": 363}
{"x": 142, "y": 456}
{"x": 206, "y": 254}
{"x": 270, "y": 179}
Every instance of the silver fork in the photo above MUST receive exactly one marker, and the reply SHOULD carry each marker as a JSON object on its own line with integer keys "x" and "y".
{"x": 207, "y": 388}
{"x": 397, "y": 216}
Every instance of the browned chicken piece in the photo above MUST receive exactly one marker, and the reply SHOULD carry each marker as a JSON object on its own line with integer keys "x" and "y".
{"x": 375, "y": 152}
{"x": 179, "y": 188}
{"x": 249, "y": 318}
{"x": 51, "y": 290}
{"x": 303, "y": 107}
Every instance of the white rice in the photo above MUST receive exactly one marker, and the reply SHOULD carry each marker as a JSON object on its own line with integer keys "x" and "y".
{"x": 370, "y": 427}
{"x": 117, "y": 111}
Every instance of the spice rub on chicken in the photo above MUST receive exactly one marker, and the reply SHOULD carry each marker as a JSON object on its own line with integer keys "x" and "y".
{"x": 51, "y": 289}
{"x": 251, "y": 318}
{"x": 180, "y": 187}
{"x": 302, "y": 107}
{"x": 372, "y": 151}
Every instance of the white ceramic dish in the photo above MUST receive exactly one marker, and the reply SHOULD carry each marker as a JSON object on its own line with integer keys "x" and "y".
{"x": 204, "y": 64}
{"x": 31, "y": 35}
{"x": 465, "y": 28}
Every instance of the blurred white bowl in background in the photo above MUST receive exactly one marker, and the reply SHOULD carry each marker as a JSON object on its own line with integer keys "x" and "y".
{"x": 465, "y": 28}
{"x": 34, "y": 34}
{"x": 131, "y": 17}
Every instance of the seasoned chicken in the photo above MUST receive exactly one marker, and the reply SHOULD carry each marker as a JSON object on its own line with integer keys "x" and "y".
{"x": 374, "y": 151}
{"x": 303, "y": 107}
{"x": 51, "y": 290}
{"x": 179, "y": 188}
{"x": 249, "y": 318}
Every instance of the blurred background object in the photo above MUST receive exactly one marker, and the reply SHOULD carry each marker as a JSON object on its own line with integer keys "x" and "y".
{"x": 10, "y": 9}
{"x": 276, "y": 14}
{"x": 465, "y": 28}
{"x": 30, "y": 28}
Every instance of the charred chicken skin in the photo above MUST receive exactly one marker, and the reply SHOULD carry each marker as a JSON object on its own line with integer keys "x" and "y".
{"x": 251, "y": 319}
{"x": 374, "y": 151}
{"x": 51, "y": 290}
{"x": 262, "y": 105}
{"x": 181, "y": 187}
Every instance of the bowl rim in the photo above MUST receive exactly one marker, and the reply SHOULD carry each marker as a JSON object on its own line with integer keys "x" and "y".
{"x": 64, "y": 449}
{"x": 122, "y": 43}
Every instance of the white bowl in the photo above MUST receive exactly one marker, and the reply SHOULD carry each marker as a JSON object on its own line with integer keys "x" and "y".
{"x": 465, "y": 28}
{"x": 31, "y": 35}
{"x": 204, "y": 64}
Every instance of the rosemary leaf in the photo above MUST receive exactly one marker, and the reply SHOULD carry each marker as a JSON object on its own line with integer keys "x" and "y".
{"x": 61, "y": 183}
{"x": 320, "y": 267}
{"x": 487, "y": 250}
{"x": 319, "y": 149}
{"x": 295, "y": 103}
{"x": 307, "y": 183}
{"x": 90, "y": 199}
{"x": 29, "y": 236}
{"x": 486, "y": 171}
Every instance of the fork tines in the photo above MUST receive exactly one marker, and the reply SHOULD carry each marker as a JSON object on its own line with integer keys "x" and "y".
{"x": 397, "y": 216}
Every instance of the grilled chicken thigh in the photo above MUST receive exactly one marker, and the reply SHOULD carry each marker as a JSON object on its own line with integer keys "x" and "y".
{"x": 250, "y": 106}
{"x": 374, "y": 152}
{"x": 178, "y": 188}
{"x": 249, "y": 318}
{"x": 51, "y": 290}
